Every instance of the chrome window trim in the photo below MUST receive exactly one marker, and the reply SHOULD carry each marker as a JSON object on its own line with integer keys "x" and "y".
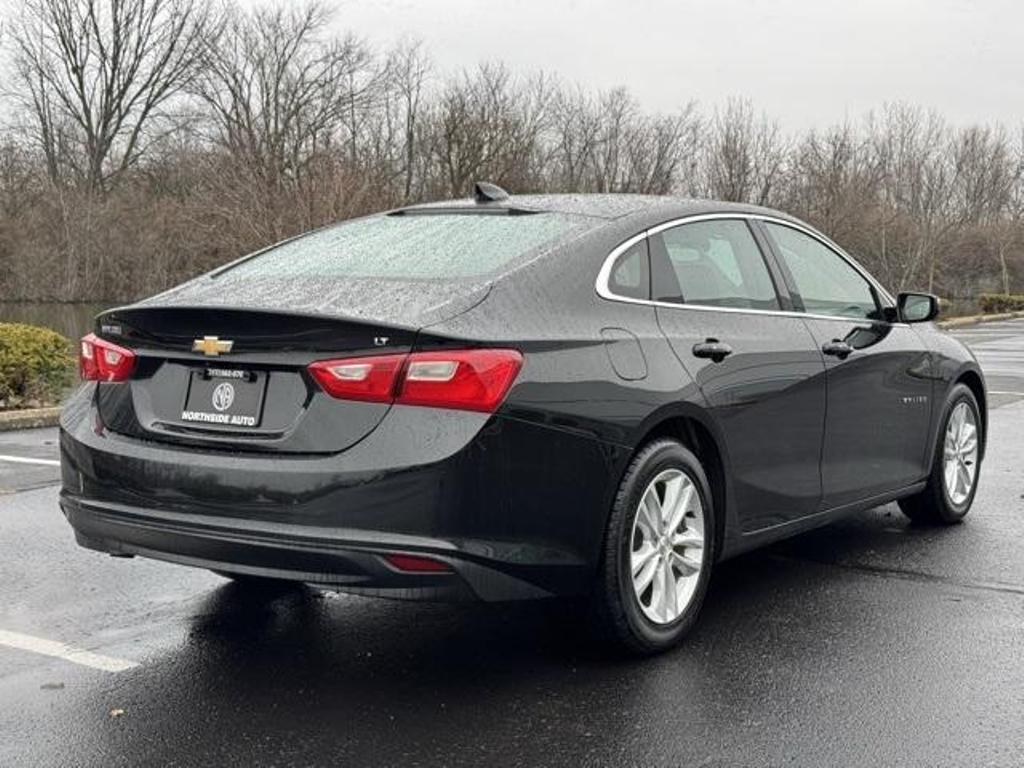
{"x": 604, "y": 275}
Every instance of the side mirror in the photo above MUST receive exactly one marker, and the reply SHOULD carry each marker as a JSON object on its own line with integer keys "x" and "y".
{"x": 917, "y": 307}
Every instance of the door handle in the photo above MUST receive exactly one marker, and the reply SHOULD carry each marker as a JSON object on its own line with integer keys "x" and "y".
{"x": 714, "y": 349}
{"x": 837, "y": 348}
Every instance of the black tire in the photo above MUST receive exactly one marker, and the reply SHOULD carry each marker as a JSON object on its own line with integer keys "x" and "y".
{"x": 617, "y": 608}
{"x": 933, "y": 505}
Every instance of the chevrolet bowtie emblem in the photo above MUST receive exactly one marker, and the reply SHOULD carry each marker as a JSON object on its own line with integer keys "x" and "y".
{"x": 211, "y": 346}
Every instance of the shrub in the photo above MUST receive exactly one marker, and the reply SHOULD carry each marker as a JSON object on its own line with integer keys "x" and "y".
{"x": 36, "y": 365}
{"x": 1001, "y": 302}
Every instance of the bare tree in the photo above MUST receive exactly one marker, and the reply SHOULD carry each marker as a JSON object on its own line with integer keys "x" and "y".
{"x": 408, "y": 71}
{"x": 280, "y": 92}
{"x": 488, "y": 124}
{"x": 575, "y": 123}
{"x": 96, "y": 74}
{"x": 985, "y": 172}
{"x": 617, "y": 111}
{"x": 912, "y": 146}
{"x": 157, "y": 139}
{"x": 658, "y": 147}
{"x": 747, "y": 155}
{"x": 1008, "y": 227}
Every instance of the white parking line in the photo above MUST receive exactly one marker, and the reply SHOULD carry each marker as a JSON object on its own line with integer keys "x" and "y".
{"x": 66, "y": 652}
{"x": 23, "y": 460}
{"x": 1001, "y": 392}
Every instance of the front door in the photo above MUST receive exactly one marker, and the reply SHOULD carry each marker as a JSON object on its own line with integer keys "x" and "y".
{"x": 758, "y": 367}
{"x": 878, "y": 373}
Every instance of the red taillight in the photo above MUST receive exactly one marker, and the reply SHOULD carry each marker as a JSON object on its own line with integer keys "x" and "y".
{"x": 467, "y": 379}
{"x": 472, "y": 379}
{"x": 359, "y": 378}
{"x": 417, "y": 564}
{"x": 101, "y": 360}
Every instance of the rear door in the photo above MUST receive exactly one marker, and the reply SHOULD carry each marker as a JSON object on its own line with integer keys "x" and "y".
{"x": 757, "y": 364}
{"x": 879, "y": 374}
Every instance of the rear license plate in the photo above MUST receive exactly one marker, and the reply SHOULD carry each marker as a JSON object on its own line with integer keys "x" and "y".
{"x": 225, "y": 398}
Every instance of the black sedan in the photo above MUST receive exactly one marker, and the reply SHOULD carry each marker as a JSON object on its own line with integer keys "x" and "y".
{"x": 519, "y": 397}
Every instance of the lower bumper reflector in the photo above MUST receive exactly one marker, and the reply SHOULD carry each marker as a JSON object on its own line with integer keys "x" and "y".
{"x": 416, "y": 564}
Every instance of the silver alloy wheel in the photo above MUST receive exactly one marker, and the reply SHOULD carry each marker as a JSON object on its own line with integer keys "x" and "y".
{"x": 667, "y": 546}
{"x": 960, "y": 453}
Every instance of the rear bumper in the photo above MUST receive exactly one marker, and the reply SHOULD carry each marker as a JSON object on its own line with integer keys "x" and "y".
{"x": 517, "y": 510}
{"x": 350, "y": 561}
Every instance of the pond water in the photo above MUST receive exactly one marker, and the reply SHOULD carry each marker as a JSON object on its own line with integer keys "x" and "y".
{"x": 71, "y": 320}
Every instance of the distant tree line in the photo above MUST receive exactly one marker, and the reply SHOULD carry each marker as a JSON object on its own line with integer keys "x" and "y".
{"x": 145, "y": 141}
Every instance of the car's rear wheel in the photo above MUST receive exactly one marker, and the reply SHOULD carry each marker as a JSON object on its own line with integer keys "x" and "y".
{"x": 659, "y": 549}
{"x": 953, "y": 480}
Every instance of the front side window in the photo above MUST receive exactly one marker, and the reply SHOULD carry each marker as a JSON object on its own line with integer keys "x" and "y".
{"x": 826, "y": 282}
{"x": 712, "y": 263}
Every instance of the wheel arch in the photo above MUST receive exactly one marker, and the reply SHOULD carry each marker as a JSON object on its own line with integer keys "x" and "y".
{"x": 973, "y": 381}
{"x": 692, "y": 427}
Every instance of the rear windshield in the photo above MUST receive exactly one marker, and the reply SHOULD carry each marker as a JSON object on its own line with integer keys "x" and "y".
{"x": 412, "y": 247}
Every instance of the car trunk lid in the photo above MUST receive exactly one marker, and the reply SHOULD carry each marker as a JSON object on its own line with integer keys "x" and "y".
{"x": 237, "y": 379}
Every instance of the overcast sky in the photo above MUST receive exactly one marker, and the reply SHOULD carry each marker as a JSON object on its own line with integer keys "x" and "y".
{"x": 805, "y": 62}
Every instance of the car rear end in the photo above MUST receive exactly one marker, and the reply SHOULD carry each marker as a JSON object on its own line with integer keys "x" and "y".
{"x": 295, "y": 417}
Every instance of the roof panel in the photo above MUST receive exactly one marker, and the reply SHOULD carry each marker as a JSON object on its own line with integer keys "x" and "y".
{"x": 600, "y": 205}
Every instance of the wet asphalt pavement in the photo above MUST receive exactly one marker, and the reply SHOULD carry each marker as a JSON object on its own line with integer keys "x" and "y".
{"x": 869, "y": 642}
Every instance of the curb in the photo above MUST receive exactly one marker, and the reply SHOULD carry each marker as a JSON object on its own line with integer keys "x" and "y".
{"x": 960, "y": 322}
{"x": 31, "y": 418}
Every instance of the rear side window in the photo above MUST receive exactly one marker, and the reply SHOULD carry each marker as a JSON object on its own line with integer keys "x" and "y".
{"x": 826, "y": 282}
{"x": 413, "y": 246}
{"x": 712, "y": 263}
{"x": 630, "y": 276}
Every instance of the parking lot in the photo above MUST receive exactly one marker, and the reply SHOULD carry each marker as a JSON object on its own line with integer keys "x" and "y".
{"x": 869, "y": 642}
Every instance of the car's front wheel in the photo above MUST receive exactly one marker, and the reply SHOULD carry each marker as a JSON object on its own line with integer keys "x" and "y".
{"x": 953, "y": 480}
{"x": 658, "y": 550}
